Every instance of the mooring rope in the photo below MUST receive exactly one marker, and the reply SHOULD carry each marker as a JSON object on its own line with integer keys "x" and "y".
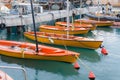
{"x": 87, "y": 67}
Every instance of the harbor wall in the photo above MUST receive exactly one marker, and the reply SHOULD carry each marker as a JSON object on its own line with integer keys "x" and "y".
{"x": 14, "y": 20}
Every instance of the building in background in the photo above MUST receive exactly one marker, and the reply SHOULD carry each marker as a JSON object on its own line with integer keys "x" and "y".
{"x": 113, "y": 2}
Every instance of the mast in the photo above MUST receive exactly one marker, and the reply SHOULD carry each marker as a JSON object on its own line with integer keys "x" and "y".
{"x": 80, "y": 10}
{"x": 34, "y": 25}
{"x": 98, "y": 9}
{"x": 68, "y": 18}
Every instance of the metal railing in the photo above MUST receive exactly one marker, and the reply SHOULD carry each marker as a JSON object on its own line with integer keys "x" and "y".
{"x": 17, "y": 68}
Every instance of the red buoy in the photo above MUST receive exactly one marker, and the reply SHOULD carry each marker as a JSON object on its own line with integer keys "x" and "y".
{"x": 104, "y": 51}
{"x": 76, "y": 65}
{"x": 91, "y": 76}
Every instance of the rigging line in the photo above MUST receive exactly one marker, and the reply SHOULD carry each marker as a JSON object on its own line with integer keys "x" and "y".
{"x": 64, "y": 45}
{"x": 88, "y": 68}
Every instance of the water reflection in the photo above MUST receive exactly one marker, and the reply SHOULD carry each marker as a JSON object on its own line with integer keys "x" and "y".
{"x": 106, "y": 29}
{"x": 65, "y": 69}
{"x": 87, "y": 54}
{"x": 117, "y": 30}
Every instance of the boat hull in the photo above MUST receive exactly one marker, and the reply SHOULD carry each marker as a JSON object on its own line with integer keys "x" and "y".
{"x": 98, "y": 23}
{"x": 58, "y": 30}
{"x": 45, "y": 53}
{"x": 76, "y": 42}
{"x": 90, "y": 26}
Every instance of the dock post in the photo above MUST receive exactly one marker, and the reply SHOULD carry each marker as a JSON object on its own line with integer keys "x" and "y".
{"x": 8, "y": 30}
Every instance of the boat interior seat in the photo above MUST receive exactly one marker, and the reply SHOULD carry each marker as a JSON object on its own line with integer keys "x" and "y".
{"x": 59, "y": 51}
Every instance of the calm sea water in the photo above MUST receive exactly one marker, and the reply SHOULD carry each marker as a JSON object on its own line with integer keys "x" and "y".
{"x": 104, "y": 67}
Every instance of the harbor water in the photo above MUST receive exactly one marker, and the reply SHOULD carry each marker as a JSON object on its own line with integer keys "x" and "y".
{"x": 105, "y": 67}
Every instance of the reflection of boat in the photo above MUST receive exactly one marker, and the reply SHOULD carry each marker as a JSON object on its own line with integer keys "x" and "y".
{"x": 4, "y": 76}
{"x": 62, "y": 30}
{"x": 62, "y": 39}
{"x": 28, "y": 50}
{"x": 89, "y": 55}
{"x": 42, "y": 65}
{"x": 97, "y": 22}
{"x": 103, "y": 17}
{"x": 92, "y": 27}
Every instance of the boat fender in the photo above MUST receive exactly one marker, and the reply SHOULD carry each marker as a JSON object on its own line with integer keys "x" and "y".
{"x": 51, "y": 40}
{"x": 2, "y": 26}
{"x": 22, "y": 51}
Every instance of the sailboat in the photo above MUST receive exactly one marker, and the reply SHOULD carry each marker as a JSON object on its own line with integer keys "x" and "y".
{"x": 63, "y": 30}
{"x": 95, "y": 19}
{"x": 96, "y": 22}
{"x": 28, "y": 51}
{"x": 84, "y": 25}
{"x": 31, "y": 51}
{"x": 76, "y": 25}
{"x": 63, "y": 38}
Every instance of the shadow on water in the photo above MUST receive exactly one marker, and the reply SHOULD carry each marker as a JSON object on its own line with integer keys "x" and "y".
{"x": 117, "y": 31}
{"x": 87, "y": 54}
{"x": 106, "y": 29}
{"x": 65, "y": 69}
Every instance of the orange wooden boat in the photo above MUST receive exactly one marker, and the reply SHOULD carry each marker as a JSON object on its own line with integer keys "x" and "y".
{"x": 98, "y": 23}
{"x": 78, "y": 25}
{"x": 28, "y": 51}
{"x": 62, "y": 30}
{"x": 4, "y": 76}
{"x": 62, "y": 39}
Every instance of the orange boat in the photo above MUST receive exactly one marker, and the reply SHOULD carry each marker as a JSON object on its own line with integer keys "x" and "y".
{"x": 4, "y": 76}
{"x": 62, "y": 30}
{"x": 78, "y": 25}
{"x": 28, "y": 51}
{"x": 98, "y": 23}
{"x": 62, "y": 39}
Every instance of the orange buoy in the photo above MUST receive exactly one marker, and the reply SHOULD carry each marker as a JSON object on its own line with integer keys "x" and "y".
{"x": 104, "y": 51}
{"x": 91, "y": 76}
{"x": 76, "y": 65}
